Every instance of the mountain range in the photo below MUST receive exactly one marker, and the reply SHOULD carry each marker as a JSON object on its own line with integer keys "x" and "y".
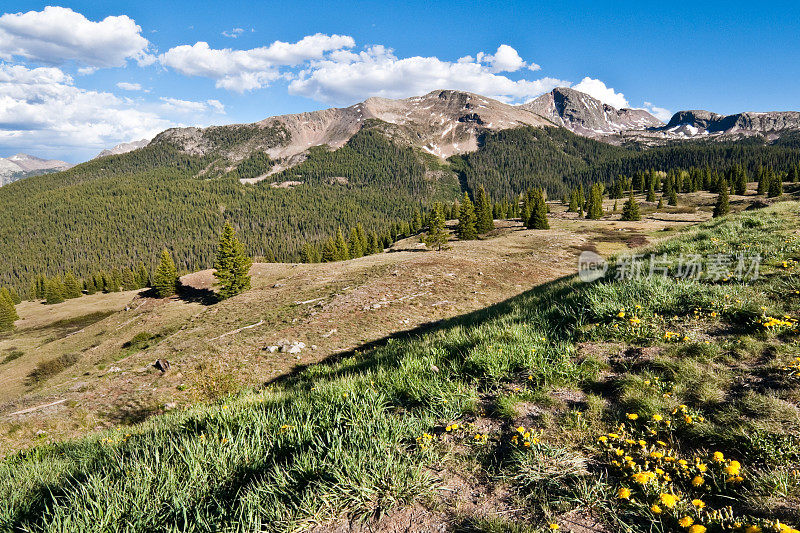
{"x": 442, "y": 123}
{"x": 446, "y": 122}
{"x": 23, "y": 165}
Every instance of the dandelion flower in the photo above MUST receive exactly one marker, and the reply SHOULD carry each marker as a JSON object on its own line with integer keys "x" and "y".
{"x": 657, "y": 417}
{"x": 632, "y": 416}
{"x": 554, "y": 526}
{"x": 698, "y": 481}
{"x": 686, "y": 521}
{"x": 624, "y": 493}
{"x": 697, "y": 528}
{"x": 733, "y": 468}
{"x": 668, "y": 500}
{"x": 698, "y": 503}
{"x": 655, "y": 508}
{"x": 719, "y": 457}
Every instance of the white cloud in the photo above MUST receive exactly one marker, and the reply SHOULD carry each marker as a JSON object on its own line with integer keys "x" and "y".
{"x": 659, "y": 112}
{"x": 234, "y": 33}
{"x": 506, "y": 59}
{"x": 57, "y": 35}
{"x": 598, "y": 89}
{"x": 246, "y": 70}
{"x": 41, "y": 110}
{"x": 346, "y": 77}
{"x": 127, "y": 86}
{"x": 191, "y": 106}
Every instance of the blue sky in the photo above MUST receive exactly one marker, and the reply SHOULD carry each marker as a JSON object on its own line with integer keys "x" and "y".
{"x": 73, "y": 81}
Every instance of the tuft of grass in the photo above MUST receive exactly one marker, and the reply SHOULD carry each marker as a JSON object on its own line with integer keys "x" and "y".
{"x": 47, "y": 369}
{"x": 12, "y": 355}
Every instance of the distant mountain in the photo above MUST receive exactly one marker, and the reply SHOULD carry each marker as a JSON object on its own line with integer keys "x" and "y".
{"x": 23, "y": 165}
{"x": 123, "y": 148}
{"x": 587, "y": 116}
{"x": 441, "y": 123}
{"x": 698, "y": 122}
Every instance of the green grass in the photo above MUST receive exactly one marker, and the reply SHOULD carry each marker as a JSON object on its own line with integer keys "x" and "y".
{"x": 343, "y": 437}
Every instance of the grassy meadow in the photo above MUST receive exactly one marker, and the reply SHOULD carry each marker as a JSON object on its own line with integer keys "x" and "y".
{"x": 652, "y": 404}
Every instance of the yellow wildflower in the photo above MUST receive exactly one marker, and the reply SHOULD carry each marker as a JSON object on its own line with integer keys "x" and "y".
{"x": 668, "y": 500}
{"x": 698, "y": 481}
{"x": 698, "y": 503}
{"x": 718, "y": 457}
{"x": 686, "y": 521}
{"x": 733, "y": 468}
{"x": 655, "y": 508}
{"x": 624, "y": 493}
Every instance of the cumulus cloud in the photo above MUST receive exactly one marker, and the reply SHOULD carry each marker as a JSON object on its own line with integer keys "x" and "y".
{"x": 659, "y": 112}
{"x": 41, "y": 109}
{"x": 246, "y": 70}
{"x": 506, "y": 59}
{"x": 345, "y": 77}
{"x": 191, "y": 106}
{"x": 598, "y": 89}
{"x": 57, "y": 35}
{"x": 127, "y": 86}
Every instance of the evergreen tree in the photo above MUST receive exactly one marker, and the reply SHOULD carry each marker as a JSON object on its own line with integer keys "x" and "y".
{"x": 594, "y": 207}
{"x": 143, "y": 276}
{"x": 232, "y": 264}
{"x": 660, "y": 203}
{"x": 329, "y": 251}
{"x": 794, "y": 174}
{"x": 165, "y": 279}
{"x": 672, "y": 197}
{"x": 573, "y": 201}
{"x": 374, "y": 244}
{"x": 630, "y": 211}
{"x": 342, "y": 252}
{"x": 436, "y": 236}
{"x": 775, "y": 188}
{"x": 54, "y": 291}
{"x": 355, "y": 247}
{"x": 8, "y": 313}
{"x": 129, "y": 281}
{"x": 722, "y": 207}
{"x": 466, "y": 220}
{"x": 88, "y": 285}
{"x": 763, "y": 181}
{"x": 15, "y": 299}
{"x": 651, "y": 191}
{"x": 538, "y": 217}
{"x": 72, "y": 288}
{"x": 483, "y": 212}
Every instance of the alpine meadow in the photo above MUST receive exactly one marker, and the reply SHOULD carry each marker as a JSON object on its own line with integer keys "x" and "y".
{"x": 370, "y": 268}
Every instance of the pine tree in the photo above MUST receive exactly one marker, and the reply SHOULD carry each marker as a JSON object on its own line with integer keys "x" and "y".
{"x": 436, "y": 235}
{"x": 329, "y": 251}
{"x": 660, "y": 203}
{"x": 129, "y": 281}
{"x": 342, "y": 252}
{"x": 573, "y": 201}
{"x": 232, "y": 264}
{"x": 15, "y": 299}
{"x": 594, "y": 207}
{"x": 483, "y": 212}
{"x": 775, "y": 188}
{"x": 630, "y": 211}
{"x": 54, "y": 291}
{"x": 651, "y": 191}
{"x": 354, "y": 246}
{"x": 466, "y": 220}
{"x": 143, "y": 276}
{"x": 763, "y": 181}
{"x": 72, "y": 288}
{"x": 374, "y": 244}
{"x": 165, "y": 279}
{"x": 538, "y": 217}
{"x": 672, "y": 197}
{"x": 8, "y": 313}
{"x": 722, "y": 207}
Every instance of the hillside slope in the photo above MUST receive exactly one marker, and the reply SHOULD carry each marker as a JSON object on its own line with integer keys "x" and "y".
{"x": 507, "y": 419}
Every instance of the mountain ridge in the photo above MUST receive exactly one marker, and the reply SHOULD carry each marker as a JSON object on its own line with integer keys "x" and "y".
{"x": 21, "y": 165}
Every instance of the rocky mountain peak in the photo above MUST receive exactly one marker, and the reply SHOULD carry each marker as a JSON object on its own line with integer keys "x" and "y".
{"x": 588, "y": 116}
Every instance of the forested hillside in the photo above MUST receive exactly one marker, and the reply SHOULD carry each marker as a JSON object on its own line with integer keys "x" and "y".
{"x": 116, "y": 211}
{"x": 119, "y": 211}
{"x": 512, "y": 161}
